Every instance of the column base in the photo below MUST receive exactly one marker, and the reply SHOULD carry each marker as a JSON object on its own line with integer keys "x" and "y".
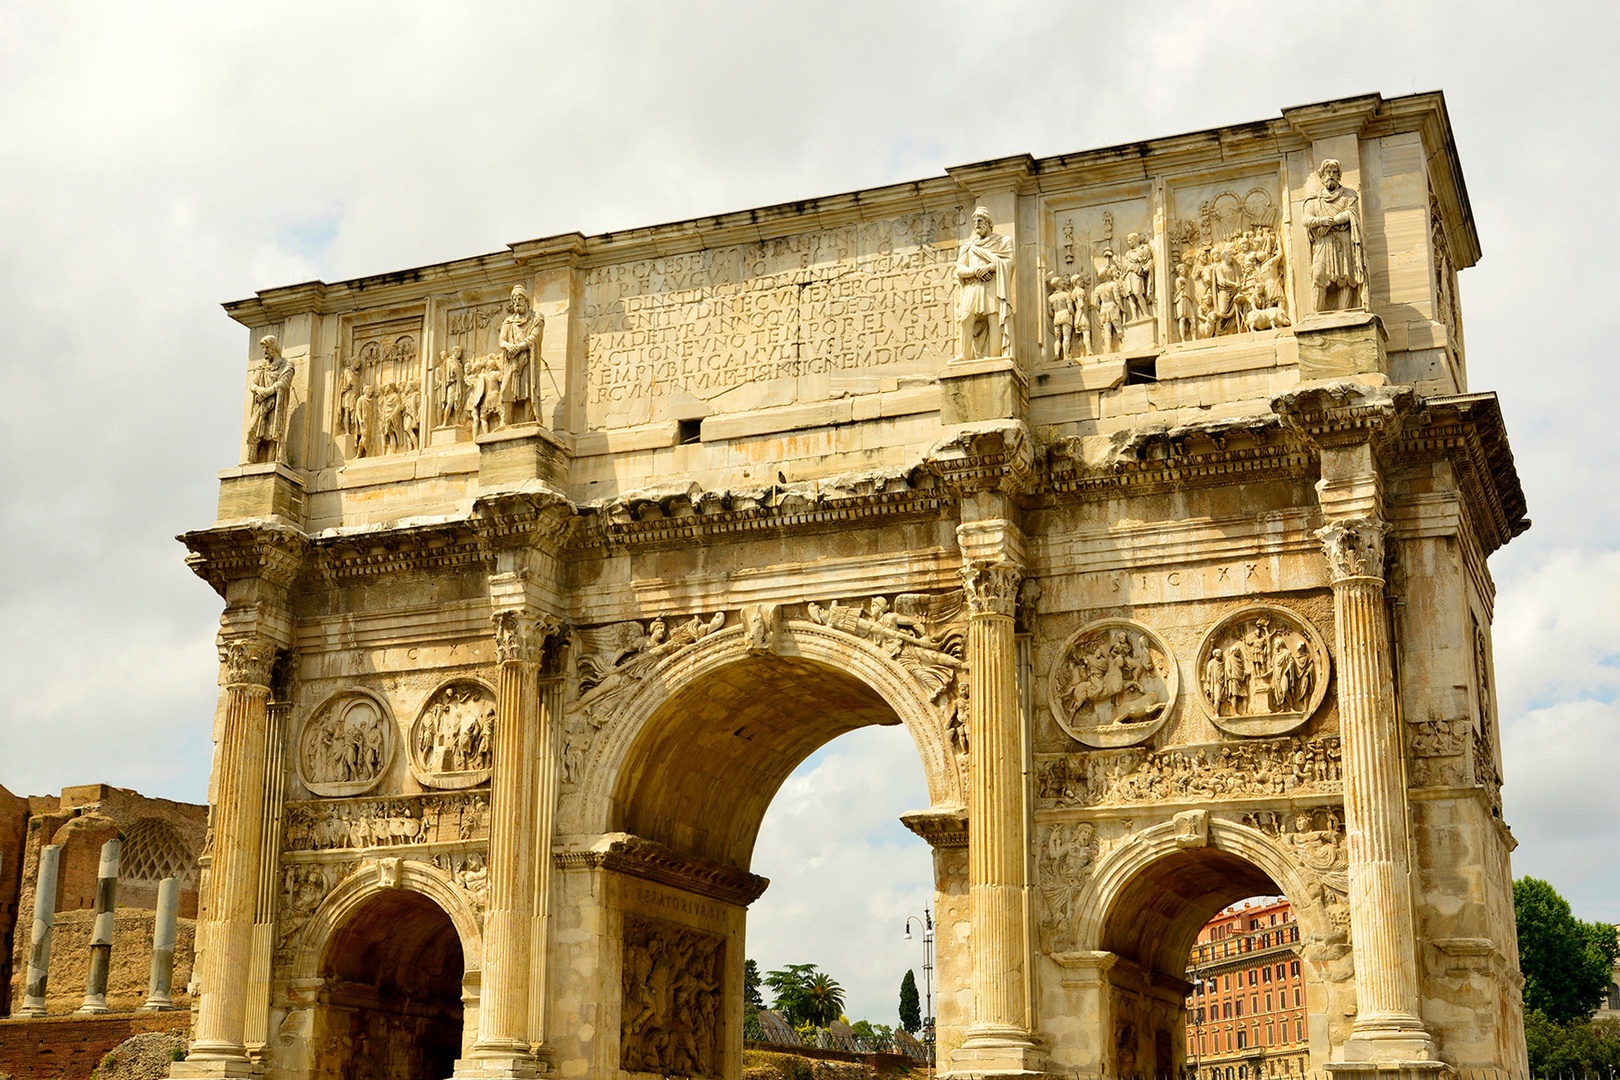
{"x": 1390, "y": 1070}
{"x": 159, "y": 1005}
{"x": 93, "y": 1008}
{"x": 1394, "y": 1040}
{"x": 500, "y": 1065}
{"x": 215, "y": 1069}
{"x": 998, "y": 1051}
{"x": 30, "y": 1011}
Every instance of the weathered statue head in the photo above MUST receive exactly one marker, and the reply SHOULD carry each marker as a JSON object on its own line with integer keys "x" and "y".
{"x": 520, "y": 300}
{"x": 1330, "y": 173}
{"x": 271, "y": 347}
{"x": 981, "y": 221}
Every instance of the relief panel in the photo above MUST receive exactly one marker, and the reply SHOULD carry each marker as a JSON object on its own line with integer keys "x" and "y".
{"x": 346, "y": 745}
{"x": 1101, "y": 288}
{"x": 1262, "y": 671}
{"x": 379, "y": 398}
{"x": 1113, "y": 684}
{"x": 453, "y": 737}
{"x": 1229, "y": 270}
{"x": 670, "y": 1018}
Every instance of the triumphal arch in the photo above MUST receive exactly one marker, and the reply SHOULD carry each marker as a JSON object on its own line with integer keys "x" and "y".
{"x": 1144, "y": 486}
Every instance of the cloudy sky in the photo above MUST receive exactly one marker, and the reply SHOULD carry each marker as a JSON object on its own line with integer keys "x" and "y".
{"x": 156, "y": 159}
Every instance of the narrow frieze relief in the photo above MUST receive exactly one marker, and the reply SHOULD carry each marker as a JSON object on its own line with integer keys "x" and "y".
{"x": 1113, "y": 684}
{"x": 453, "y": 738}
{"x": 671, "y": 1005}
{"x": 1063, "y": 866}
{"x": 1263, "y": 671}
{"x": 1257, "y": 769}
{"x": 1230, "y": 274}
{"x": 347, "y": 745}
{"x": 359, "y": 824}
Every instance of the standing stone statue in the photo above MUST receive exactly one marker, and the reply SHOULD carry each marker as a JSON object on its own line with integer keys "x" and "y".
{"x": 984, "y": 305}
{"x": 452, "y": 387}
{"x": 1333, "y": 222}
{"x": 1137, "y": 278}
{"x": 521, "y": 334}
{"x": 271, "y": 389}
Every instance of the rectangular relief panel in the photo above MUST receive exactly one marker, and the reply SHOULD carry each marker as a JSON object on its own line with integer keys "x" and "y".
{"x": 1099, "y": 283}
{"x": 801, "y": 318}
{"x": 379, "y": 397}
{"x": 1228, "y": 267}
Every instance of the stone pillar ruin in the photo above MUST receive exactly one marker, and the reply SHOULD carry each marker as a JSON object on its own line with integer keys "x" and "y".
{"x": 159, "y": 991}
{"x": 503, "y": 1047}
{"x": 230, "y": 891}
{"x": 39, "y": 948}
{"x": 101, "y": 933}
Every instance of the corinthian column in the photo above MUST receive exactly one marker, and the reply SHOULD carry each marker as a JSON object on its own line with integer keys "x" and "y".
{"x": 1388, "y": 1027}
{"x": 503, "y": 1046}
{"x": 231, "y": 887}
{"x": 999, "y": 1038}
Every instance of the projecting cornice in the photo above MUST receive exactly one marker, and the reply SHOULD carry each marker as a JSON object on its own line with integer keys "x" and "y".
{"x": 1466, "y": 430}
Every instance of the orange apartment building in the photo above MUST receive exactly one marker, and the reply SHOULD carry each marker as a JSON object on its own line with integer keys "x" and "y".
{"x": 1246, "y": 1012}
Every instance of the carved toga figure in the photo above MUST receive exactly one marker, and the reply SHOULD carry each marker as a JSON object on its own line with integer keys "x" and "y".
{"x": 984, "y": 304}
{"x": 521, "y": 333}
{"x": 1333, "y": 221}
{"x": 267, "y": 422}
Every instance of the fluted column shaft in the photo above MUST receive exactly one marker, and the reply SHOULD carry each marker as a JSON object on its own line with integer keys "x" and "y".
{"x": 549, "y": 773}
{"x": 230, "y": 891}
{"x": 1382, "y": 926}
{"x": 503, "y": 1014}
{"x": 996, "y": 856}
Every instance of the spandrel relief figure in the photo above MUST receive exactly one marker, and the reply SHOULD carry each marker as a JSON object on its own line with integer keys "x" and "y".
{"x": 984, "y": 300}
{"x": 1262, "y": 672}
{"x": 918, "y": 631}
{"x": 346, "y": 747}
{"x": 1338, "y": 260}
{"x": 520, "y": 341}
{"x": 271, "y": 392}
{"x": 1113, "y": 684}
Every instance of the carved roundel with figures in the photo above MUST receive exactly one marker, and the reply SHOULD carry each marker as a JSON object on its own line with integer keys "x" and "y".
{"x": 347, "y": 745}
{"x": 1262, "y": 671}
{"x": 453, "y": 739}
{"x": 1113, "y": 684}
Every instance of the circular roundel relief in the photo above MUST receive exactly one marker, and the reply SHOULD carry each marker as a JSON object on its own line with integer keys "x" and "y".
{"x": 1262, "y": 671}
{"x": 1113, "y": 684}
{"x": 452, "y": 741}
{"x": 347, "y": 745}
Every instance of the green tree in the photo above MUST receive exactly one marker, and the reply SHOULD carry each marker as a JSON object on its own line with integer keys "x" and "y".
{"x": 910, "y": 1005}
{"x": 824, "y": 1000}
{"x": 752, "y": 1001}
{"x": 1566, "y": 963}
{"x": 787, "y": 986}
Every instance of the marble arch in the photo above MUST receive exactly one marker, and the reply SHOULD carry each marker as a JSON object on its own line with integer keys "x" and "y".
{"x": 797, "y": 639}
{"x": 1146, "y": 490}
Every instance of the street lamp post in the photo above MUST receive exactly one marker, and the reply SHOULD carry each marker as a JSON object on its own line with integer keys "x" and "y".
{"x": 927, "y": 923}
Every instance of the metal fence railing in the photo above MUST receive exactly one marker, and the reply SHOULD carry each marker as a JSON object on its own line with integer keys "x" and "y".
{"x": 822, "y": 1039}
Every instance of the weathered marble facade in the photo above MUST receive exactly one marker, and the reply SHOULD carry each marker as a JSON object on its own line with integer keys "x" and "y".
{"x": 1142, "y": 485}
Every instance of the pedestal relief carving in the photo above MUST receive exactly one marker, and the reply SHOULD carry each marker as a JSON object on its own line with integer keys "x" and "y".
{"x": 453, "y": 738}
{"x": 1338, "y": 256}
{"x": 1113, "y": 684}
{"x": 670, "y": 1012}
{"x": 347, "y": 744}
{"x": 984, "y": 273}
{"x": 1228, "y": 264}
{"x": 1063, "y": 865}
{"x": 1262, "y": 671}
{"x": 1191, "y": 773}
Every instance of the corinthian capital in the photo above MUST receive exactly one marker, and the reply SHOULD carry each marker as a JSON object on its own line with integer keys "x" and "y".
{"x": 1354, "y": 548}
{"x": 991, "y": 587}
{"x": 247, "y": 661}
{"x": 521, "y": 637}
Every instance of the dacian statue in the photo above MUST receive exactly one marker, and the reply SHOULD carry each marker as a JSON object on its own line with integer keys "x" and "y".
{"x": 984, "y": 304}
{"x": 1333, "y": 222}
{"x": 267, "y": 412}
{"x": 521, "y": 333}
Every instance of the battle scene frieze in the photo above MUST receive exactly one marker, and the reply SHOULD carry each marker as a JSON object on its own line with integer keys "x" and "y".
{"x": 1236, "y": 770}
{"x": 671, "y": 1008}
{"x": 358, "y": 824}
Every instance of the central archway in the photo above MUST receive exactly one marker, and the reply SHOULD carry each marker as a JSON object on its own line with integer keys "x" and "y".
{"x": 677, "y": 788}
{"x": 390, "y": 1001}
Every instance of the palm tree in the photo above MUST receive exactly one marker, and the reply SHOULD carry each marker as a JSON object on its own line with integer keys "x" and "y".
{"x": 823, "y": 1000}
